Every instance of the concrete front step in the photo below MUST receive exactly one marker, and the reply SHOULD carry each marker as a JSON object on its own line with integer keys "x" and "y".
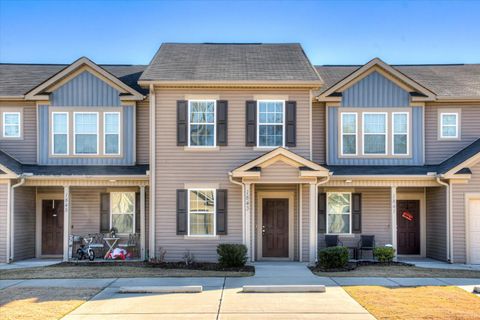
{"x": 283, "y": 288}
{"x": 476, "y": 289}
{"x": 161, "y": 289}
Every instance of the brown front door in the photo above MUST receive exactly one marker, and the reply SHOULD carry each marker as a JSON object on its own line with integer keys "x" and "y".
{"x": 275, "y": 228}
{"x": 52, "y": 227}
{"x": 408, "y": 227}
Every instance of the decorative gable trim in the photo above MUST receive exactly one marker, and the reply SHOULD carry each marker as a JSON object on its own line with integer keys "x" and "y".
{"x": 417, "y": 91}
{"x": 41, "y": 92}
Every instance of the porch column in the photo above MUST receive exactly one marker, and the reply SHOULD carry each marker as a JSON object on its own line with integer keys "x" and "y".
{"x": 393, "y": 197}
{"x": 67, "y": 254}
{"x": 142, "y": 222}
{"x": 247, "y": 226}
{"x": 313, "y": 222}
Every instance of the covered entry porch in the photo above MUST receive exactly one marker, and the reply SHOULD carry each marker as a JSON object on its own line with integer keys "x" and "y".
{"x": 53, "y": 217}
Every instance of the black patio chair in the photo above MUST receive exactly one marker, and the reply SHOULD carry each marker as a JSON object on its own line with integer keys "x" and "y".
{"x": 331, "y": 240}
{"x": 366, "y": 243}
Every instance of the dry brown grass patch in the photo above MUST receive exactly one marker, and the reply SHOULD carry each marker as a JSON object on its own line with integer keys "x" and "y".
{"x": 41, "y": 303}
{"x": 417, "y": 302}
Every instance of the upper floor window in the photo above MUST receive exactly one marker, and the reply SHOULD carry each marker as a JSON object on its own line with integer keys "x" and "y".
{"x": 349, "y": 133}
{"x": 11, "y": 125}
{"x": 122, "y": 212}
{"x": 201, "y": 126}
{"x": 201, "y": 212}
{"x": 339, "y": 213}
{"x": 271, "y": 123}
{"x": 400, "y": 133}
{"x": 86, "y": 133}
{"x": 111, "y": 127}
{"x": 60, "y": 133}
{"x": 374, "y": 133}
{"x": 449, "y": 125}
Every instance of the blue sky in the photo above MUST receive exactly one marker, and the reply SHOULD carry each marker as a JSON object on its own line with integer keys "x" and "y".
{"x": 340, "y": 32}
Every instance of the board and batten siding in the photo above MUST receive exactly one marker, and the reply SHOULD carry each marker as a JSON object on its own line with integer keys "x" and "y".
{"x": 318, "y": 133}
{"x": 143, "y": 133}
{"x": 25, "y": 149}
{"x": 437, "y": 150}
{"x": 305, "y": 189}
{"x": 3, "y": 220}
{"x": 436, "y": 224}
{"x": 334, "y": 143}
{"x": 376, "y": 217}
{"x": 458, "y": 219}
{"x": 375, "y": 91}
{"x": 85, "y": 90}
{"x": 24, "y": 223}
{"x": 127, "y": 143}
{"x": 175, "y": 166}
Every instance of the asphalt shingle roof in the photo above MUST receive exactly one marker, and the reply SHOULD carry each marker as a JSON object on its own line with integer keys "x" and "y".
{"x": 230, "y": 62}
{"x": 443, "y": 80}
{"x": 18, "y": 79}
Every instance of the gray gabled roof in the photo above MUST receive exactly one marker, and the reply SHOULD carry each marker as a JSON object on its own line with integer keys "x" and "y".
{"x": 230, "y": 62}
{"x": 444, "y": 80}
{"x": 17, "y": 79}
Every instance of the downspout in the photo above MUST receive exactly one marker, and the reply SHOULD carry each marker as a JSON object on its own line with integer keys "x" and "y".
{"x": 11, "y": 220}
{"x": 449, "y": 218}
{"x": 230, "y": 177}
{"x": 316, "y": 206}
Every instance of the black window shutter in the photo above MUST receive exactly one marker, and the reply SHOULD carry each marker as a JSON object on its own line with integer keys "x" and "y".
{"x": 182, "y": 208}
{"x": 222, "y": 122}
{"x": 251, "y": 124}
{"x": 322, "y": 213}
{"x": 104, "y": 212}
{"x": 182, "y": 123}
{"x": 221, "y": 207}
{"x": 137, "y": 212}
{"x": 291, "y": 123}
{"x": 356, "y": 212}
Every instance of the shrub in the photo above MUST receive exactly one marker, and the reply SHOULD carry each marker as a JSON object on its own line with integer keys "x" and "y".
{"x": 232, "y": 255}
{"x": 384, "y": 254}
{"x": 188, "y": 258}
{"x": 333, "y": 258}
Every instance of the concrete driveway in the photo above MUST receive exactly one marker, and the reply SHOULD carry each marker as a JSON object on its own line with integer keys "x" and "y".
{"x": 222, "y": 299}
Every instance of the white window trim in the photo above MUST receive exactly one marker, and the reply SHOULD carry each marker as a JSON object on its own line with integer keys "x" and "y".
{"x": 349, "y": 134}
{"x": 449, "y": 125}
{"x": 406, "y": 133}
{"x": 214, "y": 213}
{"x": 267, "y": 123}
{"x": 75, "y": 134}
{"x": 19, "y": 114}
{"x": 214, "y": 123}
{"x": 105, "y": 134}
{"x": 363, "y": 133}
{"x": 67, "y": 133}
{"x": 134, "y": 212}
{"x": 350, "y": 214}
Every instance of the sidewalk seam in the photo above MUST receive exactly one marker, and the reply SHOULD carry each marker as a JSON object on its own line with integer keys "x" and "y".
{"x": 221, "y": 299}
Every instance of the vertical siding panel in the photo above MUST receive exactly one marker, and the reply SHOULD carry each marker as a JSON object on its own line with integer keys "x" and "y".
{"x": 25, "y": 219}
{"x": 143, "y": 136}
{"x": 3, "y": 221}
{"x": 436, "y": 223}
{"x": 318, "y": 133}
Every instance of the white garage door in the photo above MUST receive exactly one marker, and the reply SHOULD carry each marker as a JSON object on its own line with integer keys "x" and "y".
{"x": 474, "y": 227}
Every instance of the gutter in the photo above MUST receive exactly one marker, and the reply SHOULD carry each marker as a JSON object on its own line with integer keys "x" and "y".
{"x": 11, "y": 219}
{"x": 316, "y": 215}
{"x": 449, "y": 218}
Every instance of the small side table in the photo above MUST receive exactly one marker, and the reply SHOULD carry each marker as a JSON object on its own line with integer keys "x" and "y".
{"x": 354, "y": 252}
{"x": 111, "y": 242}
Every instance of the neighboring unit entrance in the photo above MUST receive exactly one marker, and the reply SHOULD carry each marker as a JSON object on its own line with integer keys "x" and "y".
{"x": 473, "y": 224}
{"x": 275, "y": 228}
{"x": 52, "y": 227}
{"x": 408, "y": 227}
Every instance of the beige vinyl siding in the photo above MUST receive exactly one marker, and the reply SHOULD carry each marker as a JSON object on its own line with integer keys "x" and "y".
{"x": 3, "y": 220}
{"x": 278, "y": 172}
{"x": 319, "y": 139}
{"x": 436, "y": 224}
{"x": 376, "y": 217}
{"x": 436, "y": 150}
{"x": 305, "y": 222}
{"x": 24, "y": 223}
{"x": 175, "y": 166}
{"x": 143, "y": 134}
{"x": 458, "y": 206}
{"x": 24, "y": 150}
{"x": 85, "y": 210}
{"x": 279, "y": 188}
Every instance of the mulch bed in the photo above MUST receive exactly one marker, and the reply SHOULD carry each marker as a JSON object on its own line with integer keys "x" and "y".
{"x": 203, "y": 266}
{"x": 352, "y": 265}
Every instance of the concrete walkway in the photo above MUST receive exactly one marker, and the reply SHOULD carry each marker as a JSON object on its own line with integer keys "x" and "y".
{"x": 436, "y": 264}
{"x": 29, "y": 263}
